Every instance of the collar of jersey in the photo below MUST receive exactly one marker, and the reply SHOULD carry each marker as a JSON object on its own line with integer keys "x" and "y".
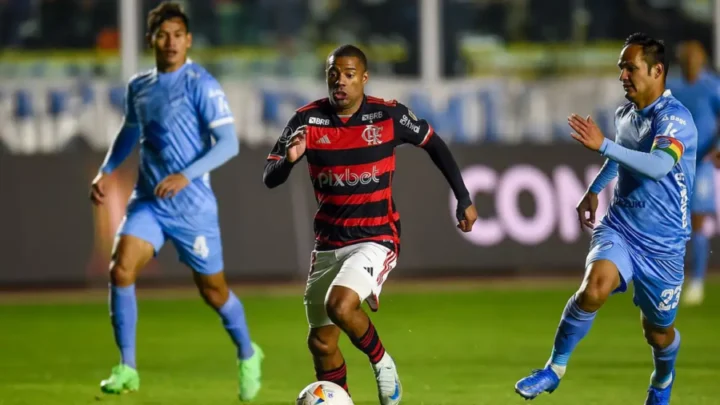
{"x": 647, "y": 110}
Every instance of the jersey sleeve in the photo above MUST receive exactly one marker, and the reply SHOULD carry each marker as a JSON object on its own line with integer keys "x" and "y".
{"x": 211, "y": 103}
{"x": 131, "y": 119}
{"x": 279, "y": 150}
{"x": 716, "y": 98}
{"x": 674, "y": 133}
{"x": 409, "y": 128}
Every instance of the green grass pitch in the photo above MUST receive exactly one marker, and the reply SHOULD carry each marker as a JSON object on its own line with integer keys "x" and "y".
{"x": 466, "y": 346}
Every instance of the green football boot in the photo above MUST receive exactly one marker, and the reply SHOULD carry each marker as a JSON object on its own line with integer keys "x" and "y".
{"x": 250, "y": 375}
{"x": 123, "y": 378}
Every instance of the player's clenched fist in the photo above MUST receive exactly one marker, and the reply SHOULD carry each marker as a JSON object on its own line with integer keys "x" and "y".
{"x": 296, "y": 145}
{"x": 586, "y": 210}
{"x": 466, "y": 217}
{"x": 97, "y": 189}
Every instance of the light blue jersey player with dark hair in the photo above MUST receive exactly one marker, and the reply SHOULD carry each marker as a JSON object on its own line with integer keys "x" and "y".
{"x": 179, "y": 114}
{"x": 642, "y": 237}
{"x": 699, "y": 90}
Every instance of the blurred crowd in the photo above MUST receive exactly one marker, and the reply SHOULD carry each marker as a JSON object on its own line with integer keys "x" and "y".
{"x": 297, "y": 26}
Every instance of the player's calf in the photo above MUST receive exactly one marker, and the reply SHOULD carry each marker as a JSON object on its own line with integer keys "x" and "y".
{"x": 129, "y": 255}
{"x": 665, "y": 343}
{"x": 215, "y": 292}
{"x": 327, "y": 358}
{"x": 601, "y": 279}
{"x": 213, "y": 289}
{"x": 343, "y": 308}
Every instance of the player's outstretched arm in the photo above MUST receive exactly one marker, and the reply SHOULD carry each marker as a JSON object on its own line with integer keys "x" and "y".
{"x": 288, "y": 150}
{"x": 655, "y": 165}
{"x": 420, "y": 133}
{"x": 665, "y": 153}
{"x": 444, "y": 160}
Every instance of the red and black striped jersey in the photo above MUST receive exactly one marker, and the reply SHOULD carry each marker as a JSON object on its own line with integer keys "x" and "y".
{"x": 351, "y": 162}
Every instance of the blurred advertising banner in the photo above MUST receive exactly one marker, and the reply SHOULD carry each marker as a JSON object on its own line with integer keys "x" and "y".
{"x": 525, "y": 194}
{"x": 49, "y": 116}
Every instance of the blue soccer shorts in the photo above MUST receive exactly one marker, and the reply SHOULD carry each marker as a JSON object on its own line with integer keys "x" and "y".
{"x": 703, "y": 198}
{"x": 196, "y": 236}
{"x": 657, "y": 283}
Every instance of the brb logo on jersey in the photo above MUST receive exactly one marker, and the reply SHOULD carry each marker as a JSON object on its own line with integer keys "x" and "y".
{"x": 330, "y": 178}
{"x": 319, "y": 121}
{"x": 372, "y": 135}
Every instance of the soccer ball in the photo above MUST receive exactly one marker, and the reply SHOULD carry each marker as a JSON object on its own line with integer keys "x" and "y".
{"x": 325, "y": 393}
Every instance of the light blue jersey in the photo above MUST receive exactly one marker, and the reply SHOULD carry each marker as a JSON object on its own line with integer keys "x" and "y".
{"x": 184, "y": 126}
{"x": 652, "y": 214}
{"x": 176, "y": 113}
{"x": 702, "y": 98}
{"x": 648, "y": 223}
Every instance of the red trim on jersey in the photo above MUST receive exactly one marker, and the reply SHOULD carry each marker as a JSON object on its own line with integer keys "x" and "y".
{"x": 346, "y": 222}
{"x": 378, "y": 100}
{"x": 379, "y": 238}
{"x": 380, "y": 167}
{"x": 353, "y": 199}
{"x": 431, "y": 132}
{"x": 274, "y": 157}
{"x": 344, "y": 119}
{"x": 314, "y": 104}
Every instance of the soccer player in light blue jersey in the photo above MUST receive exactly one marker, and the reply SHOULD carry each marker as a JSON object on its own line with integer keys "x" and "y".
{"x": 642, "y": 237}
{"x": 179, "y": 114}
{"x": 699, "y": 90}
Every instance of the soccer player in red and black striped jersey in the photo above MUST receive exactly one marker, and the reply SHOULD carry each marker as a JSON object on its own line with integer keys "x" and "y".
{"x": 349, "y": 141}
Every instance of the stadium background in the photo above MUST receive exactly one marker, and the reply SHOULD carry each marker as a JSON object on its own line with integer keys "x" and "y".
{"x": 497, "y": 79}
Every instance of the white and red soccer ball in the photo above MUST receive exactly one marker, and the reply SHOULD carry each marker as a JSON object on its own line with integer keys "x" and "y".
{"x": 323, "y": 393}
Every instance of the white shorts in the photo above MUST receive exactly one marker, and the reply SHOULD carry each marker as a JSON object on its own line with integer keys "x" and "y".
{"x": 362, "y": 267}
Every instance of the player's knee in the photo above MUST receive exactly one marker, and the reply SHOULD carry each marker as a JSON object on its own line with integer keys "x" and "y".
{"x": 341, "y": 304}
{"x": 214, "y": 296}
{"x": 321, "y": 345}
{"x": 213, "y": 288}
{"x": 600, "y": 281}
{"x": 592, "y": 296}
{"x": 658, "y": 337}
{"x": 121, "y": 274}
